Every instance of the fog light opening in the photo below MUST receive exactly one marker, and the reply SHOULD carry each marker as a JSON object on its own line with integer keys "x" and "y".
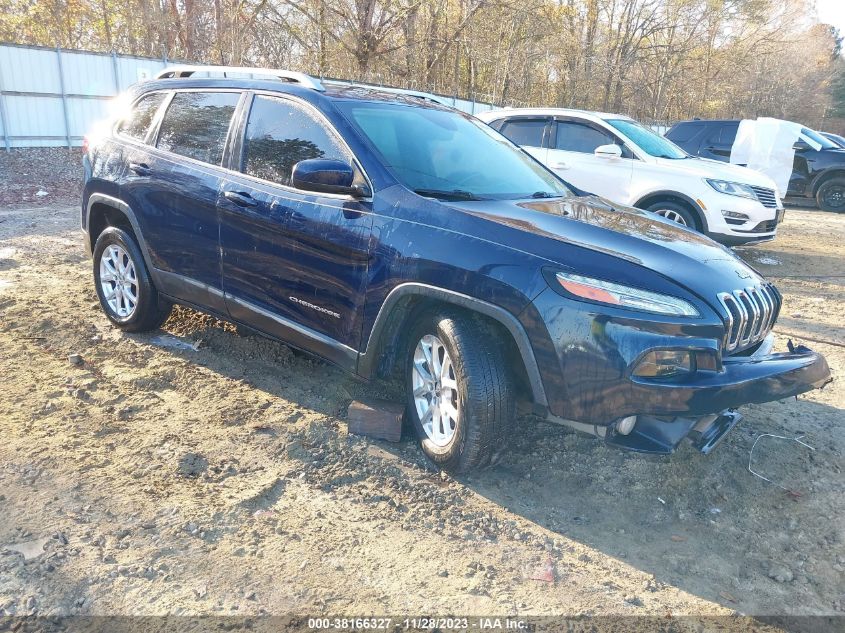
{"x": 665, "y": 363}
{"x": 626, "y": 425}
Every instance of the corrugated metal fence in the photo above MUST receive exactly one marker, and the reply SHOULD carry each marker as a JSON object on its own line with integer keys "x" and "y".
{"x": 51, "y": 97}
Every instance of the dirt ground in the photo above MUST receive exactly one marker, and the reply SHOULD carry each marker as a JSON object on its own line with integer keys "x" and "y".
{"x": 196, "y": 471}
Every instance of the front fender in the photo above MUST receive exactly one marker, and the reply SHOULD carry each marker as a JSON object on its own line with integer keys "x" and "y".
{"x": 369, "y": 358}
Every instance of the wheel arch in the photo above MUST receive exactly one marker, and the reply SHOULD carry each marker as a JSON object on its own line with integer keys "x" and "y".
{"x": 822, "y": 178}
{"x": 674, "y": 196}
{"x": 407, "y": 300}
{"x": 102, "y": 211}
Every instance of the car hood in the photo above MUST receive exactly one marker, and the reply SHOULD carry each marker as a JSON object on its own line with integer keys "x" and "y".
{"x": 682, "y": 256}
{"x": 706, "y": 168}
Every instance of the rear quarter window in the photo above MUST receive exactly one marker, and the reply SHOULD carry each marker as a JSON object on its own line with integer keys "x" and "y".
{"x": 137, "y": 122}
{"x": 196, "y": 125}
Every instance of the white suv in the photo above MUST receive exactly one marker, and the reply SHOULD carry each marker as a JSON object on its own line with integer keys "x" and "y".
{"x": 615, "y": 157}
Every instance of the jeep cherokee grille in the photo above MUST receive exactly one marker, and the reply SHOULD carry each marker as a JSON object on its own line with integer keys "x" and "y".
{"x": 749, "y": 315}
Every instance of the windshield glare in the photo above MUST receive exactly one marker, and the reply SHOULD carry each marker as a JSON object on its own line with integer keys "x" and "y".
{"x": 442, "y": 153}
{"x": 648, "y": 140}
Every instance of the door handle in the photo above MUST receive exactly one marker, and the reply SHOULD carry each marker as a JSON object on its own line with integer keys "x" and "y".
{"x": 142, "y": 169}
{"x": 560, "y": 165}
{"x": 240, "y": 198}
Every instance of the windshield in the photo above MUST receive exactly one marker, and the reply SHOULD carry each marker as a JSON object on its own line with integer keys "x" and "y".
{"x": 648, "y": 140}
{"x": 826, "y": 143}
{"x": 444, "y": 154}
{"x": 840, "y": 141}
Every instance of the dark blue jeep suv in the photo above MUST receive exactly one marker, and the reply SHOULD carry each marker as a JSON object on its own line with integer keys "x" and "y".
{"x": 396, "y": 237}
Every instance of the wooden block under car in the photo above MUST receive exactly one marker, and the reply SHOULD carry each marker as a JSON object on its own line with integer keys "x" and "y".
{"x": 380, "y": 419}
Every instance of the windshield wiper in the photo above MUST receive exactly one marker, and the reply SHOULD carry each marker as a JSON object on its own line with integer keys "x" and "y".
{"x": 546, "y": 194}
{"x": 447, "y": 194}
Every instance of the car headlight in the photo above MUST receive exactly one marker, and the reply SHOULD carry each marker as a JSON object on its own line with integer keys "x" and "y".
{"x": 732, "y": 188}
{"x": 625, "y": 296}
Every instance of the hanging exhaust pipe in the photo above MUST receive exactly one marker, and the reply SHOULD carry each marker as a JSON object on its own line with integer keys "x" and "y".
{"x": 622, "y": 427}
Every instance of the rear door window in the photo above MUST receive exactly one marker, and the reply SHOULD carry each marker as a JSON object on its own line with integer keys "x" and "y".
{"x": 723, "y": 134}
{"x": 137, "y": 123}
{"x": 279, "y": 134}
{"x": 196, "y": 125}
{"x": 525, "y": 132}
{"x": 727, "y": 133}
{"x": 684, "y": 132}
{"x": 579, "y": 137}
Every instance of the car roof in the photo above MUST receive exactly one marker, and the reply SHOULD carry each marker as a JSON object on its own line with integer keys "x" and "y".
{"x": 707, "y": 121}
{"x": 589, "y": 114}
{"x": 285, "y": 82}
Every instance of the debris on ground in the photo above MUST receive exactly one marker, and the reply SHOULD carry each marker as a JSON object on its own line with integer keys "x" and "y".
{"x": 796, "y": 440}
{"x": 175, "y": 342}
{"x": 379, "y": 419}
{"x": 545, "y": 572}
{"x": 29, "y": 549}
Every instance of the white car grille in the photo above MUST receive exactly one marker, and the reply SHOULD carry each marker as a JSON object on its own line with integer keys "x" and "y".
{"x": 766, "y": 197}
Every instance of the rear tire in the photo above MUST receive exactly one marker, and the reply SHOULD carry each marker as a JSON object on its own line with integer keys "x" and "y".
{"x": 126, "y": 292}
{"x": 460, "y": 417}
{"x": 676, "y": 212}
{"x": 831, "y": 195}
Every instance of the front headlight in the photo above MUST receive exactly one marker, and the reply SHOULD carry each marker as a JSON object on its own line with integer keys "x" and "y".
{"x": 732, "y": 188}
{"x": 624, "y": 296}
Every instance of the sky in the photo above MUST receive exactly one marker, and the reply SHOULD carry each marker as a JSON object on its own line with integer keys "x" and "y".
{"x": 832, "y": 12}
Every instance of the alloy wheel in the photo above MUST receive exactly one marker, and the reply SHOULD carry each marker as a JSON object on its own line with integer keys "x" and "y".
{"x": 119, "y": 281}
{"x": 671, "y": 214}
{"x": 435, "y": 388}
{"x": 834, "y": 197}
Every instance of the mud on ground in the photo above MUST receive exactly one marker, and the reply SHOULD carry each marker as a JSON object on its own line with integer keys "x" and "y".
{"x": 197, "y": 471}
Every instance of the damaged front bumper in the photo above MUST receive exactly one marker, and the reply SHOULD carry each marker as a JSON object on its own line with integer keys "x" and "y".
{"x": 761, "y": 377}
{"x": 703, "y": 410}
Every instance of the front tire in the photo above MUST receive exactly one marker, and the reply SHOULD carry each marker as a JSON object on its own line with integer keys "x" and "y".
{"x": 460, "y": 391}
{"x": 126, "y": 292}
{"x": 675, "y": 212}
{"x": 831, "y": 195}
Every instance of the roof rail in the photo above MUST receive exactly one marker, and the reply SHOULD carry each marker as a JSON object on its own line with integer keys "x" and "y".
{"x": 427, "y": 96}
{"x": 307, "y": 81}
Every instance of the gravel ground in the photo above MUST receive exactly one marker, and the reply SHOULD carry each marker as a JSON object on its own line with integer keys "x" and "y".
{"x": 196, "y": 471}
{"x": 40, "y": 175}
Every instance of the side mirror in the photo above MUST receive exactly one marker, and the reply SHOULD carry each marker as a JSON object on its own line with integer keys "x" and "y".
{"x": 326, "y": 176}
{"x": 609, "y": 151}
{"x": 800, "y": 146}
